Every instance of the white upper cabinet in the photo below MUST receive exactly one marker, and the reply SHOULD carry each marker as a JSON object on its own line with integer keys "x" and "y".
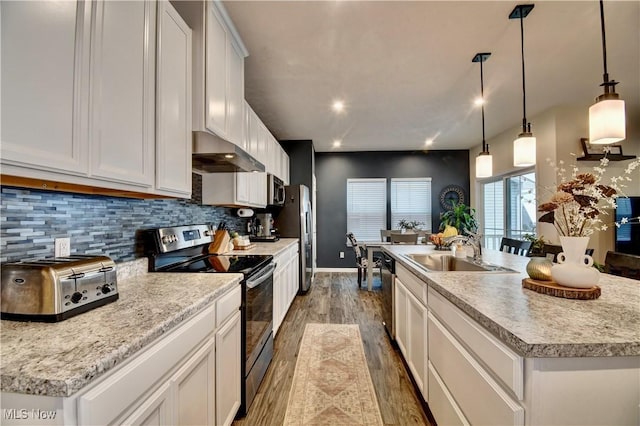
{"x": 122, "y": 91}
{"x": 79, "y": 95}
{"x": 218, "y": 70}
{"x": 43, "y": 99}
{"x": 173, "y": 103}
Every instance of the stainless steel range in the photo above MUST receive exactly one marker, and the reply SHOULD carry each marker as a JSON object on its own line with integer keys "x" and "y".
{"x": 185, "y": 249}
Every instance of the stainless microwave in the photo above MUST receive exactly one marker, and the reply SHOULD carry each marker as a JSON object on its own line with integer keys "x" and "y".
{"x": 275, "y": 191}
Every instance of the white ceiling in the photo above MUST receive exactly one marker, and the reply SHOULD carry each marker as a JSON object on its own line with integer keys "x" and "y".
{"x": 404, "y": 69}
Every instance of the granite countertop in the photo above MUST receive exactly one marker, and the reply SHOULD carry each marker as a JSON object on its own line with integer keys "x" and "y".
{"x": 538, "y": 325}
{"x": 61, "y": 358}
{"x": 273, "y": 249}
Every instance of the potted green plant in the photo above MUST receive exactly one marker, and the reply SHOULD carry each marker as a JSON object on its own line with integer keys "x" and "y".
{"x": 409, "y": 225}
{"x": 537, "y": 245}
{"x": 461, "y": 217}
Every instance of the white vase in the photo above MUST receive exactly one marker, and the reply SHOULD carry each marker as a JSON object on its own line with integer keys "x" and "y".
{"x": 575, "y": 268}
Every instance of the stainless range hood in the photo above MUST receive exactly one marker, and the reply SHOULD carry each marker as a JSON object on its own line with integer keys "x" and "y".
{"x": 212, "y": 154}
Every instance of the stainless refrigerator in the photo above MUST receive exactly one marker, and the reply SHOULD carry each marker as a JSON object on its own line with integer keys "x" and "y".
{"x": 295, "y": 220}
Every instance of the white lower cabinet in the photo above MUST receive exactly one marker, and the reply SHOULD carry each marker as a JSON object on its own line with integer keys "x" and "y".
{"x": 479, "y": 396}
{"x": 285, "y": 284}
{"x": 441, "y": 402}
{"x": 411, "y": 333}
{"x": 190, "y": 376}
{"x": 155, "y": 410}
{"x": 228, "y": 375}
{"x": 194, "y": 388}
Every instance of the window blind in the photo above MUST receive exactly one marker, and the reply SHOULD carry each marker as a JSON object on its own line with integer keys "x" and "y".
{"x": 366, "y": 208}
{"x": 411, "y": 200}
{"x": 493, "y": 202}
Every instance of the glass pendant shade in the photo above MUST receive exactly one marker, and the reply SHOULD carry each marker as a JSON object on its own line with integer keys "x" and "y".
{"x": 484, "y": 165}
{"x": 607, "y": 122}
{"x": 524, "y": 150}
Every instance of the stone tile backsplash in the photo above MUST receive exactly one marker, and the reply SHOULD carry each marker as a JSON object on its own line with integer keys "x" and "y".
{"x": 31, "y": 219}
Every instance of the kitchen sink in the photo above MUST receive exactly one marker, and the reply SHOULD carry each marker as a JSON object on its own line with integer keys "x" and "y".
{"x": 448, "y": 263}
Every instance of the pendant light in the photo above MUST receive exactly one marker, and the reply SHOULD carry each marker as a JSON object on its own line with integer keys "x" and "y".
{"x": 607, "y": 115}
{"x": 484, "y": 160}
{"x": 524, "y": 147}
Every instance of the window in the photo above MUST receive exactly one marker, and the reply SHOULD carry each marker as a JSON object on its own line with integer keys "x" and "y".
{"x": 411, "y": 200}
{"x": 507, "y": 208}
{"x": 366, "y": 208}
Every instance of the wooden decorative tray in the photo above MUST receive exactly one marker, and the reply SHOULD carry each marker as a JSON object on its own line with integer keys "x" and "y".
{"x": 249, "y": 247}
{"x": 552, "y": 288}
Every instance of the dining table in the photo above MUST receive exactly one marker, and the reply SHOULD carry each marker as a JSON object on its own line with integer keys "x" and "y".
{"x": 370, "y": 247}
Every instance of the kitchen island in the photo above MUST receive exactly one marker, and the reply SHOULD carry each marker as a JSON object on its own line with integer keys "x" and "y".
{"x": 485, "y": 350}
{"x": 51, "y": 367}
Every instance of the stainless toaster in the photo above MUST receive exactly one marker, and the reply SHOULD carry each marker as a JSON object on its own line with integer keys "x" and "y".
{"x": 55, "y": 289}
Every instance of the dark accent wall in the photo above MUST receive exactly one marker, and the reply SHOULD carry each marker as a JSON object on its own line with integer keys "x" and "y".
{"x": 31, "y": 219}
{"x": 301, "y": 161}
{"x": 333, "y": 169}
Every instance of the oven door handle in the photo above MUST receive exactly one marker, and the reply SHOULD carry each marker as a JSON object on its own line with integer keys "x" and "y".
{"x": 268, "y": 271}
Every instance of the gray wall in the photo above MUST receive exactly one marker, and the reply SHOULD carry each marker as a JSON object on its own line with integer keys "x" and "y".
{"x": 333, "y": 169}
{"x": 301, "y": 161}
{"x": 31, "y": 219}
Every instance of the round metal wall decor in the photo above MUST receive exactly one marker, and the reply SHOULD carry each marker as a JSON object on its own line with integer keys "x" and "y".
{"x": 451, "y": 194}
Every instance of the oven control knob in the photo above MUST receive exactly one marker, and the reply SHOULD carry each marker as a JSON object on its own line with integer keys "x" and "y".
{"x": 76, "y": 297}
{"x": 208, "y": 233}
{"x": 106, "y": 289}
{"x": 174, "y": 238}
{"x": 165, "y": 239}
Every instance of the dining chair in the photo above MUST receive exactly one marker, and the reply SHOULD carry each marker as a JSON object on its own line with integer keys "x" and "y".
{"x": 408, "y": 238}
{"x": 385, "y": 234}
{"x": 552, "y": 249}
{"x": 361, "y": 259}
{"x": 622, "y": 264}
{"x": 518, "y": 247}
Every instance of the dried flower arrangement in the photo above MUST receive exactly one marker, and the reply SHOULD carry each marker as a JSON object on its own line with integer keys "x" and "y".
{"x": 575, "y": 206}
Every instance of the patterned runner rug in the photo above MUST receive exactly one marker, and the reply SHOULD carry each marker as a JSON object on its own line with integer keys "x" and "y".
{"x": 331, "y": 383}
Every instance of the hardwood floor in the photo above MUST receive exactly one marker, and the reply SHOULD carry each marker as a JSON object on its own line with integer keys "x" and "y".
{"x": 335, "y": 298}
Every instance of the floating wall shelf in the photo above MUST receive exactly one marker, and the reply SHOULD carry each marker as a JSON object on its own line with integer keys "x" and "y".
{"x": 611, "y": 157}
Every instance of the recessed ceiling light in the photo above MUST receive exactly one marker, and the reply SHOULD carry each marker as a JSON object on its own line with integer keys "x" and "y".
{"x": 478, "y": 101}
{"x": 428, "y": 142}
{"x": 337, "y": 143}
{"x": 338, "y": 106}
{"x": 228, "y": 156}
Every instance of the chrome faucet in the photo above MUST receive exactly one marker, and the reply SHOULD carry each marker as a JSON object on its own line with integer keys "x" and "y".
{"x": 473, "y": 240}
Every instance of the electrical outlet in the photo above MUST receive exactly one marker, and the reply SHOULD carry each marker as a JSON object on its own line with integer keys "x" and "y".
{"x": 62, "y": 247}
{"x": 341, "y": 255}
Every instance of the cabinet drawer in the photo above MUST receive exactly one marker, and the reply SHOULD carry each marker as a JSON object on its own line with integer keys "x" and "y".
{"x": 481, "y": 399}
{"x": 126, "y": 385}
{"x": 502, "y": 361}
{"x": 441, "y": 403}
{"x": 414, "y": 284}
{"x": 227, "y": 305}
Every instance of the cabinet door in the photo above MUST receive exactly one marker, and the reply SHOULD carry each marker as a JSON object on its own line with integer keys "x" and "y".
{"x": 235, "y": 94}
{"x": 279, "y": 287}
{"x": 258, "y": 189}
{"x": 417, "y": 347}
{"x": 155, "y": 411}
{"x": 122, "y": 128}
{"x": 228, "y": 375}
{"x": 243, "y": 188}
{"x": 173, "y": 103}
{"x": 285, "y": 167}
{"x": 194, "y": 388}
{"x": 44, "y": 57}
{"x": 216, "y": 73}
{"x": 402, "y": 336}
